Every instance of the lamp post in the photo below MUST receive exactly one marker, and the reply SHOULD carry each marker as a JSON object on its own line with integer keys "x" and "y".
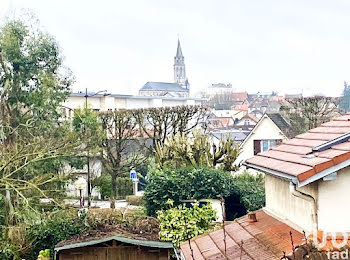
{"x": 88, "y": 156}
{"x": 80, "y": 184}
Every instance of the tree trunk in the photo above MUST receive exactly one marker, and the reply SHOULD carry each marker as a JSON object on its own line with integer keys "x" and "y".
{"x": 114, "y": 189}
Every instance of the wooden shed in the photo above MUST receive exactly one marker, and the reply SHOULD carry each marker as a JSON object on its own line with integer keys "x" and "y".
{"x": 114, "y": 247}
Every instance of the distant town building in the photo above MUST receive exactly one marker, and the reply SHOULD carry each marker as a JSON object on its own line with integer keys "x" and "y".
{"x": 179, "y": 88}
{"x": 292, "y": 96}
{"x": 103, "y": 102}
{"x": 217, "y": 89}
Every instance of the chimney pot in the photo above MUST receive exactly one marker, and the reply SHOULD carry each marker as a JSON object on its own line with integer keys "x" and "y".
{"x": 252, "y": 217}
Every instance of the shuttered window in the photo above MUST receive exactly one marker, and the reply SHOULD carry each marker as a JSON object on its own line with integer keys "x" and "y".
{"x": 257, "y": 146}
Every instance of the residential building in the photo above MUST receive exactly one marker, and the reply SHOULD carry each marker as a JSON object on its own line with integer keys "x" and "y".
{"x": 222, "y": 135}
{"x": 307, "y": 178}
{"x": 248, "y": 119}
{"x": 103, "y": 102}
{"x": 179, "y": 88}
{"x": 307, "y": 190}
{"x": 217, "y": 89}
{"x": 240, "y": 96}
{"x": 269, "y": 131}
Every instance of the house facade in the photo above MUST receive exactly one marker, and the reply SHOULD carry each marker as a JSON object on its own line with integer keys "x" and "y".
{"x": 307, "y": 182}
{"x": 269, "y": 131}
{"x": 308, "y": 178}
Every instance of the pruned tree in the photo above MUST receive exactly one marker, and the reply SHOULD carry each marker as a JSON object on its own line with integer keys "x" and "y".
{"x": 309, "y": 112}
{"x": 197, "y": 151}
{"x": 159, "y": 123}
{"x": 122, "y": 140}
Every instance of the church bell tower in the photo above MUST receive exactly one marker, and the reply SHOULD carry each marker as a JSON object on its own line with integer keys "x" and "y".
{"x": 179, "y": 67}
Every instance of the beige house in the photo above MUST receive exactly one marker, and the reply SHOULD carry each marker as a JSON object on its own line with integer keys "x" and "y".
{"x": 307, "y": 182}
{"x": 269, "y": 131}
{"x": 308, "y": 177}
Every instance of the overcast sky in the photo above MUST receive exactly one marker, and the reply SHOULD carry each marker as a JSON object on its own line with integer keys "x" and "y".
{"x": 288, "y": 46}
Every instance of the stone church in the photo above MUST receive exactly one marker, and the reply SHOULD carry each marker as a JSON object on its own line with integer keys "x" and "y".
{"x": 178, "y": 88}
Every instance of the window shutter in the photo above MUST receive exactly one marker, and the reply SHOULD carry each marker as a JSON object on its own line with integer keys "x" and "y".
{"x": 257, "y": 146}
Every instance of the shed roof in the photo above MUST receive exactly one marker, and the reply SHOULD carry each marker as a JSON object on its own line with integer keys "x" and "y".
{"x": 309, "y": 156}
{"x": 163, "y": 86}
{"x": 265, "y": 239}
{"x": 120, "y": 238}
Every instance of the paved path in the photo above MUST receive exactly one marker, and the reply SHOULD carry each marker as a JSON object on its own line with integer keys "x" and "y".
{"x": 98, "y": 203}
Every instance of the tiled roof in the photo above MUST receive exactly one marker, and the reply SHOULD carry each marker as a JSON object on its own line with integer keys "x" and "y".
{"x": 252, "y": 117}
{"x": 235, "y": 135}
{"x": 240, "y": 96}
{"x": 282, "y": 124}
{"x": 241, "y": 107}
{"x": 300, "y": 158}
{"x": 265, "y": 239}
{"x": 163, "y": 86}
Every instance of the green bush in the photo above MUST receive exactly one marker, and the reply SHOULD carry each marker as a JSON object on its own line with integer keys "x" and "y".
{"x": 52, "y": 230}
{"x": 251, "y": 189}
{"x": 134, "y": 200}
{"x": 124, "y": 187}
{"x": 181, "y": 223}
{"x": 184, "y": 184}
{"x": 104, "y": 184}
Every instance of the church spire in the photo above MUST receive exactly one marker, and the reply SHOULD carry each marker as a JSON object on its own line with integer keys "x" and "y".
{"x": 179, "y": 66}
{"x": 179, "y": 51}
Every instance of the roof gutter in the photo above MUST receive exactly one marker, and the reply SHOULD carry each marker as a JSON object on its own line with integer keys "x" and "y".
{"x": 278, "y": 174}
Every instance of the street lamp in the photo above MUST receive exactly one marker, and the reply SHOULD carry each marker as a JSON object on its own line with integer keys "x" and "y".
{"x": 88, "y": 156}
{"x": 80, "y": 184}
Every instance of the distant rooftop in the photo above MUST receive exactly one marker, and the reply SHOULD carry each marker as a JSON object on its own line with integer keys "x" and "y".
{"x": 91, "y": 95}
{"x": 221, "y": 85}
{"x": 163, "y": 86}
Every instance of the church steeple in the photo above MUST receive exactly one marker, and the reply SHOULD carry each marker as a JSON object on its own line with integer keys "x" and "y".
{"x": 179, "y": 66}
{"x": 179, "y": 51}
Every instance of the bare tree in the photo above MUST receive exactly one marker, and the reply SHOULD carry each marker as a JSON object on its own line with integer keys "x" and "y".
{"x": 309, "y": 112}
{"x": 122, "y": 140}
{"x": 158, "y": 123}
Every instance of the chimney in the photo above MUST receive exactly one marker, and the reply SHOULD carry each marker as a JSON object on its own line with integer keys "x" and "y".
{"x": 252, "y": 217}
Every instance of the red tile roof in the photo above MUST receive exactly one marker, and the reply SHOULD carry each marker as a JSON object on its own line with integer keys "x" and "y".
{"x": 252, "y": 117}
{"x": 242, "y": 107}
{"x": 240, "y": 96}
{"x": 265, "y": 239}
{"x": 290, "y": 157}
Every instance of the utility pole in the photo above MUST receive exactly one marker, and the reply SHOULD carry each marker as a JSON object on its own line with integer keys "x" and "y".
{"x": 88, "y": 153}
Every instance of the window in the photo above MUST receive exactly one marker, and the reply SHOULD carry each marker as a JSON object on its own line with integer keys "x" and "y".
{"x": 264, "y": 145}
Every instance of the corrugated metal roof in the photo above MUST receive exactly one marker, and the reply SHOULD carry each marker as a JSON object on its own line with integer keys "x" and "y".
{"x": 163, "y": 86}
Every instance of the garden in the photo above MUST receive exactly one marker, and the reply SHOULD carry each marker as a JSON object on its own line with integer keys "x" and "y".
{"x": 176, "y": 161}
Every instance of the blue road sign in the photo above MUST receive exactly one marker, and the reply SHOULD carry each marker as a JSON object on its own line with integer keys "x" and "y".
{"x": 133, "y": 174}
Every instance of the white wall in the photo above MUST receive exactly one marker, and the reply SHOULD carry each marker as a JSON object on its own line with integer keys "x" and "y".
{"x": 265, "y": 130}
{"x": 104, "y": 103}
{"x": 286, "y": 206}
{"x": 333, "y": 203}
